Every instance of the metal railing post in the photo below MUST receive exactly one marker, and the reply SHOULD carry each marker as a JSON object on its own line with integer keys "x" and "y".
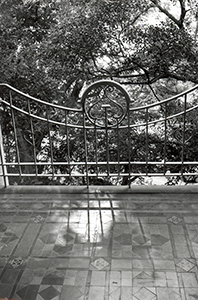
{"x": 3, "y": 169}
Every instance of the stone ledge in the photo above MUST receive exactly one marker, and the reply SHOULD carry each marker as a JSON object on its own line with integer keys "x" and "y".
{"x": 136, "y": 189}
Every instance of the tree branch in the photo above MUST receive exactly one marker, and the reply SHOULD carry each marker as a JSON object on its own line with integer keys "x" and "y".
{"x": 179, "y": 22}
{"x": 183, "y": 13}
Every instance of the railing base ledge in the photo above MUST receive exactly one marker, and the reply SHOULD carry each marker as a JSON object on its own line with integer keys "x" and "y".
{"x": 137, "y": 189}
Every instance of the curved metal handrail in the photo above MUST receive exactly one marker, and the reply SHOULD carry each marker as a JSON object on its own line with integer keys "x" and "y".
{"x": 83, "y": 98}
{"x": 97, "y": 83}
{"x": 40, "y": 101}
{"x": 166, "y": 100}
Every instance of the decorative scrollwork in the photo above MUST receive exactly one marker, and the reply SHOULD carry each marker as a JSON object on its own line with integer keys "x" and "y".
{"x": 105, "y": 103}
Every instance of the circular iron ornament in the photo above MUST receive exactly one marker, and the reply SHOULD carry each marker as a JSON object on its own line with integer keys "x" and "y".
{"x": 105, "y": 103}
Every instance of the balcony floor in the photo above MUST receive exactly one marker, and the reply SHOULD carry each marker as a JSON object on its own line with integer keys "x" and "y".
{"x": 101, "y": 246}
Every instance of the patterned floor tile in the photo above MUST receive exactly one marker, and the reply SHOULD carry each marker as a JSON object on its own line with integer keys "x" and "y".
{"x": 145, "y": 293}
{"x": 186, "y": 265}
{"x": 96, "y": 293}
{"x": 175, "y": 219}
{"x": 71, "y": 293}
{"x": 37, "y": 219}
{"x": 143, "y": 279}
{"x": 142, "y": 252}
{"x": 191, "y": 293}
{"x": 17, "y": 262}
{"x": 55, "y": 277}
{"x": 174, "y": 294}
{"x": 3, "y": 227}
{"x": 49, "y": 293}
{"x": 61, "y": 248}
{"x": 188, "y": 280}
{"x": 100, "y": 263}
{"x": 141, "y": 240}
{"x": 158, "y": 239}
{"x": 28, "y": 292}
{"x": 49, "y": 238}
{"x": 115, "y": 294}
{"x": 5, "y": 289}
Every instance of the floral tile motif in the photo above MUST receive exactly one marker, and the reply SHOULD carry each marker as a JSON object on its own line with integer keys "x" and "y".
{"x": 175, "y": 219}
{"x": 100, "y": 263}
{"x": 185, "y": 265}
{"x": 37, "y": 219}
{"x": 17, "y": 262}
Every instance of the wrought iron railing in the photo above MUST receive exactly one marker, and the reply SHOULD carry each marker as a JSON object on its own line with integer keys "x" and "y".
{"x": 105, "y": 141}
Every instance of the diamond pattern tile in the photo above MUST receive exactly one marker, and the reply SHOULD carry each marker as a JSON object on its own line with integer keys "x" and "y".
{"x": 175, "y": 220}
{"x": 100, "y": 263}
{"x": 186, "y": 265}
{"x": 49, "y": 293}
{"x": 68, "y": 238}
{"x": 158, "y": 239}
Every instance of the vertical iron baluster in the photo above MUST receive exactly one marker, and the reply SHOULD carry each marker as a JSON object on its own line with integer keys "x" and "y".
{"x": 129, "y": 145}
{"x": 50, "y": 141}
{"x": 68, "y": 144}
{"x": 96, "y": 148}
{"x": 118, "y": 152}
{"x": 88, "y": 220}
{"x": 107, "y": 139}
{"x": 147, "y": 148}
{"x": 183, "y": 134}
{"x": 2, "y": 158}
{"x": 165, "y": 138}
{"x": 86, "y": 152}
{"x": 15, "y": 135}
{"x": 33, "y": 139}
